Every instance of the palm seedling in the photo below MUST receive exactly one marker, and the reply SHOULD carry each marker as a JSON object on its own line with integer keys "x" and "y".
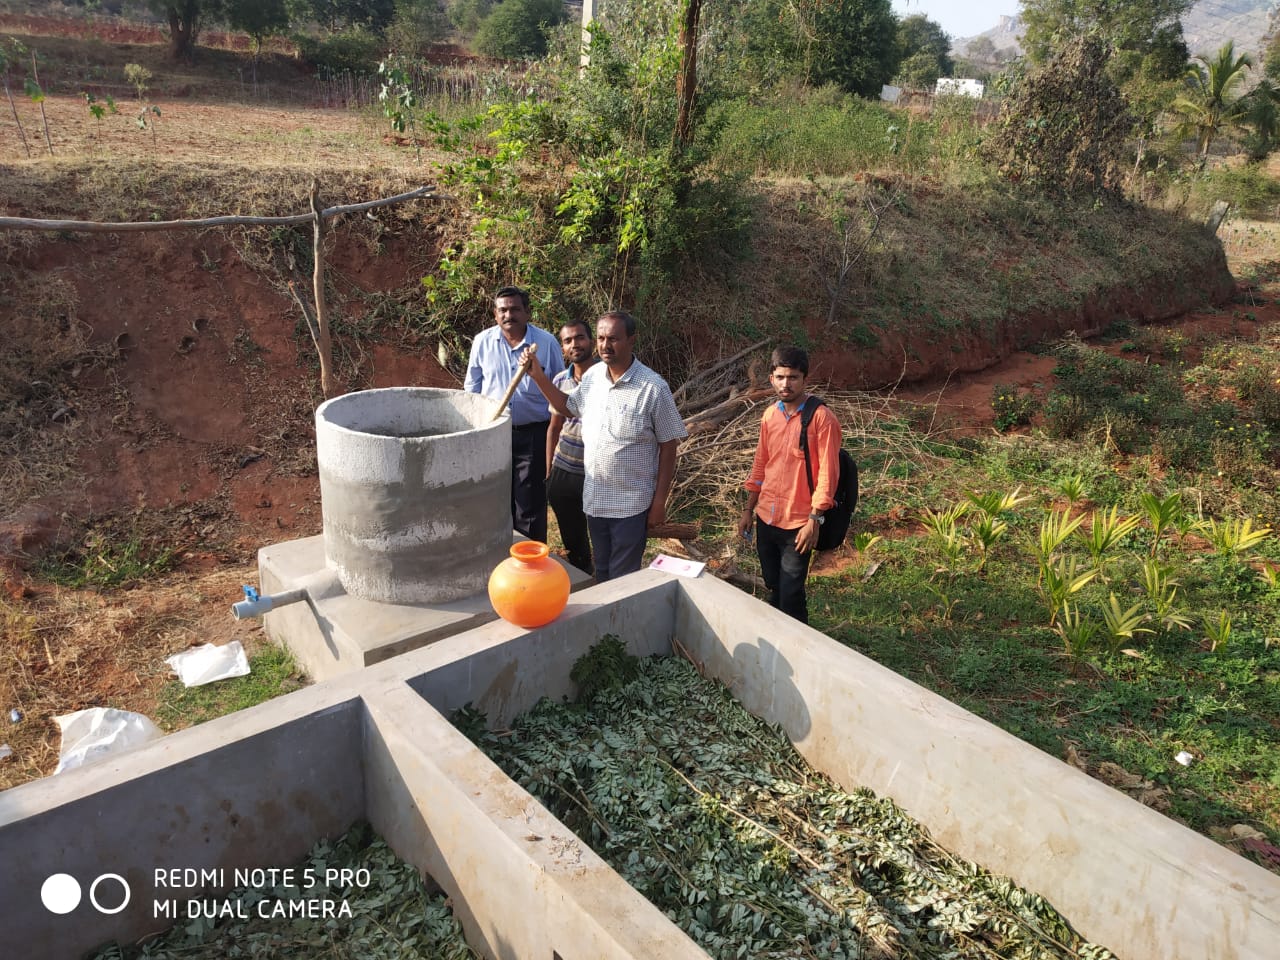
{"x": 1270, "y": 575}
{"x": 1076, "y": 632}
{"x": 1071, "y": 489}
{"x": 1234, "y": 536}
{"x": 1161, "y": 514}
{"x": 944, "y": 530}
{"x": 1120, "y": 625}
{"x": 1162, "y": 592}
{"x": 1104, "y": 535}
{"x": 995, "y": 502}
{"x": 1058, "y": 581}
{"x": 1054, "y": 530}
{"x": 986, "y": 532}
{"x": 864, "y": 541}
{"x": 1218, "y": 631}
{"x": 1185, "y": 524}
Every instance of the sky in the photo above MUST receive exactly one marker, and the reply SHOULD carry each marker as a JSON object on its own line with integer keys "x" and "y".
{"x": 960, "y": 18}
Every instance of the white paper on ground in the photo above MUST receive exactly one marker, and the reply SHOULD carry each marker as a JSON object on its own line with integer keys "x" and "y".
{"x": 92, "y": 735}
{"x": 6, "y": 751}
{"x": 207, "y": 663}
{"x": 682, "y": 568}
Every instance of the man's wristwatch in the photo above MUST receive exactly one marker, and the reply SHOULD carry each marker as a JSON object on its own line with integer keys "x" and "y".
{"x": 817, "y": 516}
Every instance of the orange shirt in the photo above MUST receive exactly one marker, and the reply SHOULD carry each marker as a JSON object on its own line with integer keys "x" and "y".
{"x": 778, "y": 471}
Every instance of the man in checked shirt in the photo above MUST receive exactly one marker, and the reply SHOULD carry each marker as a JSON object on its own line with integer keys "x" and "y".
{"x": 630, "y": 431}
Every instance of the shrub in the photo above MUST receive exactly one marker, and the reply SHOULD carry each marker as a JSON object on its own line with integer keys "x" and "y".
{"x": 1248, "y": 189}
{"x": 515, "y": 29}
{"x": 1182, "y": 448}
{"x": 1065, "y": 416}
{"x": 356, "y": 49}
{"x": 1066, "y": 124}
{"x": 1011, "y": 409}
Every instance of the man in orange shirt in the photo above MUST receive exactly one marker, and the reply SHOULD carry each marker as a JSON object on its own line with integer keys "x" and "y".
{"x": 787, "y": 514}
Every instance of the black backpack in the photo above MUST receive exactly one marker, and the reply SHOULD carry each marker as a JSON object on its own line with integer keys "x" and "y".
{"x": 835, "y": 522}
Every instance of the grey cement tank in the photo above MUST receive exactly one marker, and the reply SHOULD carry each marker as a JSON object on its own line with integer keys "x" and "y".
{"x": 415, "y": 490}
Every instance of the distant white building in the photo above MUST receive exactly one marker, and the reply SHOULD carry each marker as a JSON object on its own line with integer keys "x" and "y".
{"x": 955, "y": 87}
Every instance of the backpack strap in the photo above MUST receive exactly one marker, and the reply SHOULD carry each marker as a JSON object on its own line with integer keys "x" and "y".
{"x": 807, "y": 410}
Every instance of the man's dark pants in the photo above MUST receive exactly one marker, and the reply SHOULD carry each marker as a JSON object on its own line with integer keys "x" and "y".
{"x": 618, "y": 544}
{"x": 529, "y": 480}
{"x": 564, "y": 493}
{"x": 783, "y": 569}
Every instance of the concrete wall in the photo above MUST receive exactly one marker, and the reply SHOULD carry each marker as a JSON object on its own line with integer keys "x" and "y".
{"x": 1126, "y": 876}
{"x": 521, "y": 883}
{"x": 256, "y": 788}
{"x": 259, "y": 787}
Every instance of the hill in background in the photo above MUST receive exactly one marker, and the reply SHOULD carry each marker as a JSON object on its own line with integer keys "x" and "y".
{"x": 1208, "y": 25}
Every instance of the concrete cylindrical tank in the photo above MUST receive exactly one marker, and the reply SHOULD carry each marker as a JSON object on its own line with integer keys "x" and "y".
{"x": 415, "y": 490}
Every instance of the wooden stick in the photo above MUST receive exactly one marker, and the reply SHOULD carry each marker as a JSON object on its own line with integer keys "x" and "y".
{"x": 43, "y": 116}
{"x": 92, "y": 226}
{"x": 324, "y": 343}
{"x": 684, "y": 388}
{"x": 515, "y": 382}
{"x": 14, "y": 107}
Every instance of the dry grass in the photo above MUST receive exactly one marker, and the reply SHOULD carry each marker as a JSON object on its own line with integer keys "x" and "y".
{"x": 714, "y": 464}
{"x": 65, "y": 650}
{"x": 47, "y": 350}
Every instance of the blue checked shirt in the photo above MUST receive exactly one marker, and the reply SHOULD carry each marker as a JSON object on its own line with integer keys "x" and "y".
{"x": 493, "y": 363}
{"x": 622, "y": 425}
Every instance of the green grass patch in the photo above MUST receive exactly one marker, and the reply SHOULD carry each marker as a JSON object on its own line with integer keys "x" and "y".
{"x": 819, "y": 132}
{"x": 272, "y": 673}
{"x": 109, "y": 559}
{"x": 965, "y": 602}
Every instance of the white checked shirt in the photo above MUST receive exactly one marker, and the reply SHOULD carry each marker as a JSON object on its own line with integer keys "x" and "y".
{"x": 622, "y": 425}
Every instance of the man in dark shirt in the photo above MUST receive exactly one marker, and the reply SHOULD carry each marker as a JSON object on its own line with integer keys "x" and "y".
{"x": 564, "y": 448}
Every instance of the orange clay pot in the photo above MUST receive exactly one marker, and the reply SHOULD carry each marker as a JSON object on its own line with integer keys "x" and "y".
{"x": 529, "y": 589}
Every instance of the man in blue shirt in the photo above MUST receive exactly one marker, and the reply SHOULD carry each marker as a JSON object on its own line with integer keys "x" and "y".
{"x": 495, "y": 357}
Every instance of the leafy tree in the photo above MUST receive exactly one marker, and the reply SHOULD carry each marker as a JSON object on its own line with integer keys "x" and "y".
{"x": 1262, "y": 117}
{"x": 1138, "y": 27}
{"x": 417, "y": 23}
{"x": 185, "y": 18}
{"x": 854, "y": 44}
{"x": 516, "y": 28}
{"x": 981, "y": 48}
{"x": 1271, "y": 56}
{"x": 1065, "y": 123}
{"x": 257, "y": 18}
{"x": 918, "y": 36}
{"x": 335, "y": 15}
{"x": 467, "y": 15}
{"x": 920, "y": 71}
{"x": 1213, "y": 103}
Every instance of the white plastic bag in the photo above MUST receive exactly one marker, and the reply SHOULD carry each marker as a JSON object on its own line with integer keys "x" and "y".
{"x": 91, "y": 735}
{"x": 207, "y": 663}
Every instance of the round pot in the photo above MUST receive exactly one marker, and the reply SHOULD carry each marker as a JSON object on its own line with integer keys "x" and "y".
{"x": 528, "y": 588}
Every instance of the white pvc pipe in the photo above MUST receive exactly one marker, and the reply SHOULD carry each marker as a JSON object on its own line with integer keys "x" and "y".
{"x": 255, "y": 608}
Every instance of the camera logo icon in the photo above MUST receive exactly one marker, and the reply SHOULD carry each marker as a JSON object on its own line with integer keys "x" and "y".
{"x": 61, "y": 893}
